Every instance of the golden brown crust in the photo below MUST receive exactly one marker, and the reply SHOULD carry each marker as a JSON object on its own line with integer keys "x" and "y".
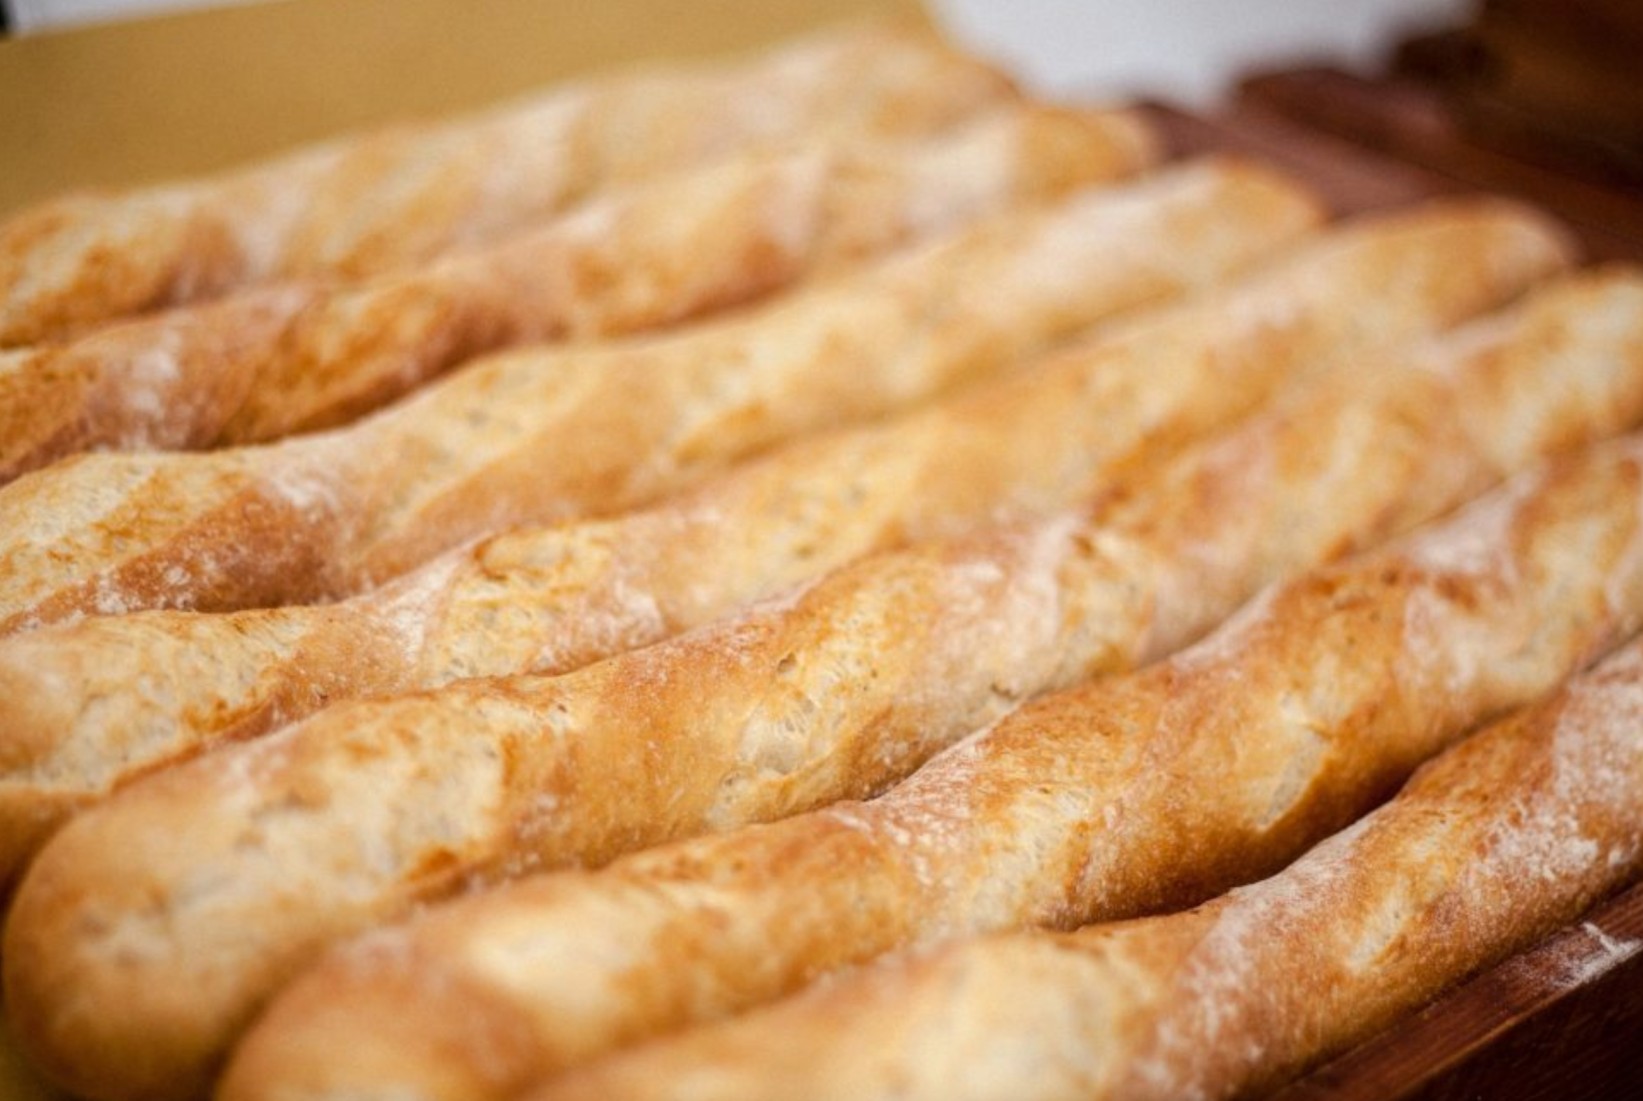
{"x": 1119, "y": 797}
{"x": 115, "y": 709}
{"x": 104, "y": 534}
{"x": 543, "y": 435}
{"x": 162, "y": 685}
{"x": 270, "y": 362}
{"x": 1497, "y": 842}
{"x": 368, "y": 203}
{"x": 785, "y": 707}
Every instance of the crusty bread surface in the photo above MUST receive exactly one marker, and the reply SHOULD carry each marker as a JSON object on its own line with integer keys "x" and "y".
{"x": 538, "y": 435}
{"x": 805, "y": 575}
{"x": 305, "y": 355}
{"x": 1498, "y": 842}
{"x": 98, "y": 702}
{"x": 1125, "y": 796}
{"x": 831, "y": 694}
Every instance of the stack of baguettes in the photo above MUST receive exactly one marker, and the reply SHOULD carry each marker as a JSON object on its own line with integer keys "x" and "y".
{"x": 419, "y": 680}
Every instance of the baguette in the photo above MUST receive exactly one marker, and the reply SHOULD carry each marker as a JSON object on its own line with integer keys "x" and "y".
{"x": 365, "y": 204}
{"x": 305, "y": 355}
{"x": 1498, "y": 842}
{"x": 1124, "y": 796}
{"x": 90, "y": 705}
{"x": 830, "y": 694}
{"x": 542, "y": 434}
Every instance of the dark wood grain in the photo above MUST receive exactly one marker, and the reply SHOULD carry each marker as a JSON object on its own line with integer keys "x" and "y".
{"x": 1350, "y": 178}
{"x": 1561, "y": 67}
{"x": 1408, "y": 123}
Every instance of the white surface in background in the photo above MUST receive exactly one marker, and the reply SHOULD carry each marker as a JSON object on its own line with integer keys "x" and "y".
{"x": 33, "y": 15}
{"x": 1186, "y": 51}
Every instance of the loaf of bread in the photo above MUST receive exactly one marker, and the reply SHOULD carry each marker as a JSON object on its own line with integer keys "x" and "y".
{"x": 350, "y": 818}
{"x": 1496, "y": 843}
{"x": 1127, "y": 795}
{"x": 304, "y": 355}
{"x": 90, "y": 705}
{"x": 366, "y": 204}
{"x": 537, "y": 435}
